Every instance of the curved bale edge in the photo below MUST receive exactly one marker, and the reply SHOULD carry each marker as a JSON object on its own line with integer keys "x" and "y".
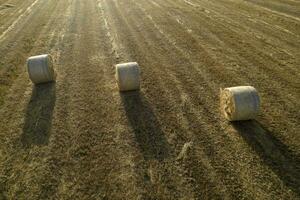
{"x": 128, "y": 76}
{"x": 40, "y": 69}
{"x": 239, "y": 103}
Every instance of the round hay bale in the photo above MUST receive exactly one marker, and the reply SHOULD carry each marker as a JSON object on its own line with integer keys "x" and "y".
{"x": 128, "y": 76}
{"x": 40, "y": 69}
{"x": 239, "y": 103}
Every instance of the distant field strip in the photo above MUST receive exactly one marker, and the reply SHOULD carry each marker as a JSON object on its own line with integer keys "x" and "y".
{"x": 13, "y": 25}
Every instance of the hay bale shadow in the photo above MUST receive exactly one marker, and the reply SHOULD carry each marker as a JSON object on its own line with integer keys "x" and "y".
{"x": 272, "y": 151}
{"x": 149, "y": 136}
{"x": 38, "y": 118}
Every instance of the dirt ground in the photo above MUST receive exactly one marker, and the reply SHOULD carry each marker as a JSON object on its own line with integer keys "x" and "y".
{"x": 79, "y": 138}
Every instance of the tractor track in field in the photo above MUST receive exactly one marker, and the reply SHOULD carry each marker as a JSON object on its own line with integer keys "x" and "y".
{"x": 79, "y": 138}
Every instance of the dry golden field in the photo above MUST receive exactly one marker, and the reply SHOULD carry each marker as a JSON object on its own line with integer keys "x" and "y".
{"x": 79, "y": 138}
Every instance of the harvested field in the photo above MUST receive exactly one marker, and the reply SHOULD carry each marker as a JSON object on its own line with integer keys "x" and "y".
{"x": 80, "y": 138}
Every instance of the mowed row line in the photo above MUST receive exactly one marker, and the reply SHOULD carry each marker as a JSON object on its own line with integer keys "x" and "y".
{"x": 25, "y": 40}
{"x": 168, "y": 141}
{"x": 22, "y": 103}
{"x": 14, "y": 24}
{"x": 247, "y": 66}
{"x": 132, "y": 41}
